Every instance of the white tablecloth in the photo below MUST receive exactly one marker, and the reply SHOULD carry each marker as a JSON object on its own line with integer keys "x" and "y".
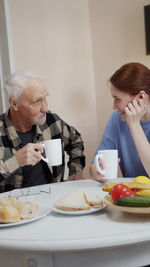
{"x": 105, "y": 238}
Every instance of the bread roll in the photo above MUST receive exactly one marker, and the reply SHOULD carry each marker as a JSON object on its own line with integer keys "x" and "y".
{"x": 30, "y": 210}
{"x": 9, "y": 214}
{"x": 13, "y": 210}
{"x": 27, "y": 210}
{"x": 5, "y": 201}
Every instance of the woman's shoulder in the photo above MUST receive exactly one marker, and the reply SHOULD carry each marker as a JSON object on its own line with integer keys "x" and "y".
{"x": 115, "y": 116}
{"x": 115, "y": 121}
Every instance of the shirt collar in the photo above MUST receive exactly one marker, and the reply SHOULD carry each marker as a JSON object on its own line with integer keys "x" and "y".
{"x": 12, "y": 133}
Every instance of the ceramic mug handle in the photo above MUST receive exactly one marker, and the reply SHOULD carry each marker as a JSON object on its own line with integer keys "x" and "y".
{"x": 99, "y": 156}
{"x": 45, "y": 159}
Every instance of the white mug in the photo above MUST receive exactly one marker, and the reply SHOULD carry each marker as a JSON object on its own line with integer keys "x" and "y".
{"x": 110, "y": 161}
{"x": 53, "y": 151}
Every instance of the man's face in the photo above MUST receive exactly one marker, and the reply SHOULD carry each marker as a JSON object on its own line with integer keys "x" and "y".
{"x": 121, "y": 100}
{"x": 32, "y": 105}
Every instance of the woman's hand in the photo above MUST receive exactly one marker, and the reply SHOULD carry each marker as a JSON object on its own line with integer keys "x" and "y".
{"x": 135, "y": 111}
{"x": 95, "y": 174}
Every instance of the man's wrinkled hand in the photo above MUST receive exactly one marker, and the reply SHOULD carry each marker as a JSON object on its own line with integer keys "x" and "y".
{"x": 29, "y": 154}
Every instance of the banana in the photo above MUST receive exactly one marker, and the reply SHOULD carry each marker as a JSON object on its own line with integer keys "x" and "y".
{"x": 108, "y": 187}
{"x": 132, "y": 185}
{"x": 143, "y": 193}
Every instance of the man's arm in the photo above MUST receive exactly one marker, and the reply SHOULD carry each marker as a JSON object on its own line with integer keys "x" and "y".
{"x": 75, "y": 149}
{"x": 11, "y": 160}
{"x": 8, "y": 167}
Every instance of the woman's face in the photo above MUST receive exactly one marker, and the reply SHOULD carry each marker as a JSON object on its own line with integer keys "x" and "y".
{"x": 121, "y": 100}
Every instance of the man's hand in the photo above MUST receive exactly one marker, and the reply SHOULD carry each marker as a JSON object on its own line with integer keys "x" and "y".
{"x": 29, "y": 154}
{"x": 75, "y": 177}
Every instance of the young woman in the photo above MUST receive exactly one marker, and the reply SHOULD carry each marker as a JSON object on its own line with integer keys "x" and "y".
{"x": 128, "y": 128}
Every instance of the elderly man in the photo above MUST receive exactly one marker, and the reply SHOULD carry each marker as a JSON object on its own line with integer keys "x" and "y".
{"x": 23, "y": 128}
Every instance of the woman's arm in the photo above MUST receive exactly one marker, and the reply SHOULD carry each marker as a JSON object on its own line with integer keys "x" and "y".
{"x": 107, "y": 142}
{"x": 134, "y": 112}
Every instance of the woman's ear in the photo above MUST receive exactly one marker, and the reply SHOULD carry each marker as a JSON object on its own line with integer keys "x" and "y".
{"x": 142, "y": 94}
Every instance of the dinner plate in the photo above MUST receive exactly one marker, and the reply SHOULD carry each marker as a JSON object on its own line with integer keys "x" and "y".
{"x": 78, "y": 212}
{"x": 92, "y": 191}
{"x": 134, "y": 210}
{"x": 44, "y": 209}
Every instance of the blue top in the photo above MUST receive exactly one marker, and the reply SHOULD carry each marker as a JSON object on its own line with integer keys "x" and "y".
{"x": 117, "y": 136}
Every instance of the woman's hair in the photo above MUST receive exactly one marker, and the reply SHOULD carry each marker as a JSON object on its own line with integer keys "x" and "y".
{"x": 131, "y": 78}
{"x": 18, "y": 81}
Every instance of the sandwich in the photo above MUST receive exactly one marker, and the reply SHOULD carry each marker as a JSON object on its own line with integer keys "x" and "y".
{"x": 94, "y": 201}
{"x": 74, "y": 202}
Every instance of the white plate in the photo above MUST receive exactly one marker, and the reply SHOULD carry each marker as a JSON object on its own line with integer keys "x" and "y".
{"x": 88, "y": 191}
{"x": 77, "y": 212}
{"x": 44, "y": 210}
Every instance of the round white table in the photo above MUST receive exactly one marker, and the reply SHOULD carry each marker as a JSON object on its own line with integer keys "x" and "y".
{"x": 105, "y": 238}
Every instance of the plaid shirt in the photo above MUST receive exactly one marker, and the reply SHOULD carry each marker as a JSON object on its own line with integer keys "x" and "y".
{"x": 11, "y": 172}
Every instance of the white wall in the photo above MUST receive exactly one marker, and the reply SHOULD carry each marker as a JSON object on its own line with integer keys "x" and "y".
{"x": 118, "y": 37}
{"x": 53, "y": 38}
{"x": 76, "y": 45}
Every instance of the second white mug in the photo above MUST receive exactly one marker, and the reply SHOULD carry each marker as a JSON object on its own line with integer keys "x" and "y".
{"x": 53, "y": 152}
{"x": 110, "y": 161}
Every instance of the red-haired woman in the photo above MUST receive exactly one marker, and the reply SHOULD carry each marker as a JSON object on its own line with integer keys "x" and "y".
{"x": 128, "y": 128}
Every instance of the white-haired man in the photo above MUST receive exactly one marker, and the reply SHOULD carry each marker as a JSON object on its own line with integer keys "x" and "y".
{"x": 23, "y": 128}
